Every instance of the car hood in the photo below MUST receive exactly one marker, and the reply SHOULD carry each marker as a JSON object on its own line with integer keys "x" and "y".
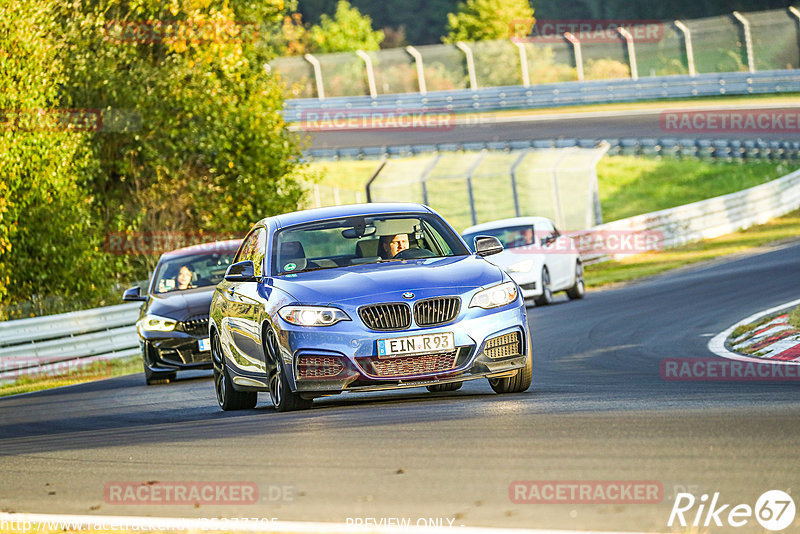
{"x": 360, "y": 282}
{"x": 182, "y": 305}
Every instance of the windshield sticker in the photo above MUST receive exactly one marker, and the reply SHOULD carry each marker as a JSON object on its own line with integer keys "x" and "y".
{"x": 290, "y": 267}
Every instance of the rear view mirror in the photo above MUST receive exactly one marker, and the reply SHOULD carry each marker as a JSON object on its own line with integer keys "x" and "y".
{"x": 243, "y": 271}
{"x": 487, "y": 245}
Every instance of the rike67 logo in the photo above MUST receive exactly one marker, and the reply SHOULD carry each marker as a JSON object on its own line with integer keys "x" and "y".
{"x": 774, "y": 510}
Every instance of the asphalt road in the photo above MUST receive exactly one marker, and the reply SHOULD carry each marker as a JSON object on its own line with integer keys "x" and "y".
{"x": 593, "y": 125}
{"x": 598, "y": 410}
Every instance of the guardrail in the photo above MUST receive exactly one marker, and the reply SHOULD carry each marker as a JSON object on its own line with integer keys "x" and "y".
{"x": 41, "y": 343}
{"x": 550, "y": 95}
{"x": 666, "y": 146}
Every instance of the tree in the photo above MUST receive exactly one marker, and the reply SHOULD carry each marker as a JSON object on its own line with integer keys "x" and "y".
{"x": 480, "y": 20}
{"x": 347, "y": 31}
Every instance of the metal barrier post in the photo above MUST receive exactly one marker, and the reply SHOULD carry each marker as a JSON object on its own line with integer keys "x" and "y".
{"x": 687, "y": 43}
{"x": 420, "y": 69}
{"x": 473, "y": 80}
{"x": 470, "y": 172}
{"x": 748, "y": 41}
{"x": 514, "y": 180}
{"x": 317, "y": 75}
{"x": 559, "y": 216}
{"x": 523, "y": 61}
{"x": 631, "y": 51}
{"x": 796, "y": 13}
{"x": 576, "y": 50}
{"x": 375, "y": 174}
{"x": 425, "y": 174}
{"x": 370, "y": 73}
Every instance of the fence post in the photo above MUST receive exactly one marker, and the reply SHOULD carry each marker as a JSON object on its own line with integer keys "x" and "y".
{"x": 576, "y": 50}
{"x": 687, "y": 43}
{"x": 514, "y": 180}
{"x": 748, "y": 41}
{"x": 420, "y": 68}
{"x": 473, "y": 80}
{"x": 373, "y": 92}
{"x": 317, "y": 75}
{"x": 523, "y": 61}
{"x": 470, "y": 172}
{"x": 559, "y": 216}
{"x": 631, "y": 51}
{"x": 425, "y": 174}
{"x": 375, "y": 174}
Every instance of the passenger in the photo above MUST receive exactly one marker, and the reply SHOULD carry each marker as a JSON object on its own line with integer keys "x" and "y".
{"x": 392, "y": 245}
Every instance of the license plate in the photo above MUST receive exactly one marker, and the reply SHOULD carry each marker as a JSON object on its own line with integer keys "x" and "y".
{"x": 204, "y": 344}
{"x": 425, "y": 343}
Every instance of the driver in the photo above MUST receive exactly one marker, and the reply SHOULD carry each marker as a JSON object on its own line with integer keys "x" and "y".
{"x": 392, "y": 245}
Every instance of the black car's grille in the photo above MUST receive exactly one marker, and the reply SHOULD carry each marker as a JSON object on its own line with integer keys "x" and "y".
{"x": 504, "y": 346}
{"x": 389, "y": 316}
{"x": 436, "y": 311}
{"x": 196, "y": 326}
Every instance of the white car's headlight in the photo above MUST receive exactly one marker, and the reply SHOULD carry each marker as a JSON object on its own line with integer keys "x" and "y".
{"x": 495, "y": 296}
{"x": 312, "y": 315}
{"x": 156, "y": 323}
{"x": 521, "y": 267}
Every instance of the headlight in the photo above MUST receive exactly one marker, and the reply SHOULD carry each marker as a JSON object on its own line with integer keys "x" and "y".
{"x": 499, "y": 295}
{"x": 521, "y": 267}
{"x": 312, "y": 315}
{"x": 155, "y": 323}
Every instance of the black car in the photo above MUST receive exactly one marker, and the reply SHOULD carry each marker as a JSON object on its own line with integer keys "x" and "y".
{"x": 173, "y": 323}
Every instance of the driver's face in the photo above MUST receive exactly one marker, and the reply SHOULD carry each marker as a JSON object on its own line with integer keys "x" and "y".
{"x": 397, "y": 244}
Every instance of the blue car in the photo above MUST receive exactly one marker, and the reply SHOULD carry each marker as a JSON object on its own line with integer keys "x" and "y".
{"x": 364, "y": 298}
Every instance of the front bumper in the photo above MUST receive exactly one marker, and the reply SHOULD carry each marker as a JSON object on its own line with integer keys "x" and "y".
{"x": 359, "y": 361}
{"x": 173, "y": 351}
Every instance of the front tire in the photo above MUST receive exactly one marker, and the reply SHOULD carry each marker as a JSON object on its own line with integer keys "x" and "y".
{"x": 283, "y": 398}
{"x": 227, "y": 396}
{"x": 547, "y": 294}
{"x": 578, "y": 290}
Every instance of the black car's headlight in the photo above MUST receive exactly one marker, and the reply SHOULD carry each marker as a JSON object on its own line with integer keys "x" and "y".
{"x": 495, "y": 296}
{"x": 312, "y": 315}
{"x": 156, "y": 323}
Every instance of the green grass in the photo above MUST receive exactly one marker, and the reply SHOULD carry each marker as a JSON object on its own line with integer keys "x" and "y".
{"x": 613, "y": 272}
{"x": 794, "y": 317}
{"x": 96, "y": 371}
{"x": 631, "y": 185}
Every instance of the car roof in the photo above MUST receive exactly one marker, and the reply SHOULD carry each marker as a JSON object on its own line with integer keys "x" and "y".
{"x": 348, "y": 210}
{"x": 227, "y": 245}
{"x": 503, "y": 223}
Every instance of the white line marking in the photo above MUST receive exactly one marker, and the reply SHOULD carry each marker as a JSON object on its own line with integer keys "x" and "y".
{"x": 116, "y": 523}
{"x": 717, "y": 343}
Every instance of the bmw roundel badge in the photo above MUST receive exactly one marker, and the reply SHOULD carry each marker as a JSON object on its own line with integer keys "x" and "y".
{"x": 408, "y": 295}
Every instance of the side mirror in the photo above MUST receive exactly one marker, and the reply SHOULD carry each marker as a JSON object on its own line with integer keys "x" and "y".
{"x": 486, "y": 245}
{"x": 133, "y": 294}
{"x": 547, "y": 240}
{"x": 243, "y": 271}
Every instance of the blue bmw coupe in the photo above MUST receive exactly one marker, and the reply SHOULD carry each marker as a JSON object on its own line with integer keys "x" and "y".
{"x": 364, "y": 298}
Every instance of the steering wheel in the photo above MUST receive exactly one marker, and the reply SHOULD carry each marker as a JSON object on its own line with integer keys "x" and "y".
{"x": 413, "y": 254}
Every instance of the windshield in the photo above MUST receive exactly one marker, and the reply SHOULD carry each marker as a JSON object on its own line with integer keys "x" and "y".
{"x": 510, "y": 236}
{"x": 360, "y": 240}
{"x": 192, "y": 271}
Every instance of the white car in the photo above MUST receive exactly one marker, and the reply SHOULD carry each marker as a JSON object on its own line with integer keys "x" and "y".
{"x": 539, "y": 259}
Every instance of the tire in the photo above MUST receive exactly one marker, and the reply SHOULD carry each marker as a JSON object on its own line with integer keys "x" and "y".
{"x": 547, "y": 294}
{"x": 438, "y": 388}
{"x": 519, "y": 382}
{"x": 282, "y": 396}
{"x": 227, "y": 396}
{"x": 152, "y": 378}
{"x": 578, "y": 290}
